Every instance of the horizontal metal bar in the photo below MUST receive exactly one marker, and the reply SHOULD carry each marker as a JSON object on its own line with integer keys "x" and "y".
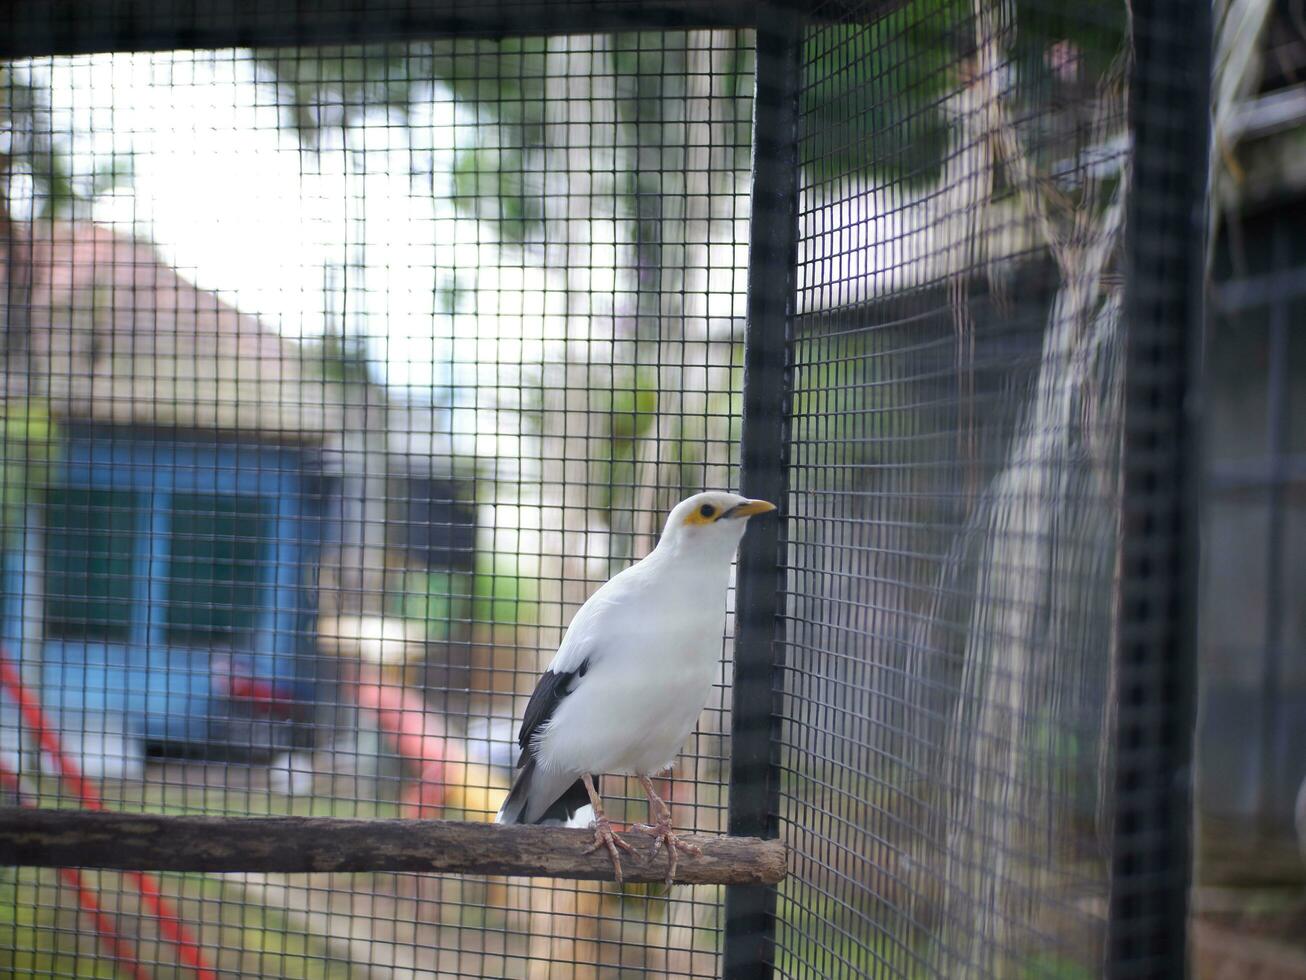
{"x": 1236, "y": 295}
{"x": 31, "y": 28}
{"x": 292, "y": 845}
{"x": 1264, "y": 115}
{"x": 1257, "y": 473}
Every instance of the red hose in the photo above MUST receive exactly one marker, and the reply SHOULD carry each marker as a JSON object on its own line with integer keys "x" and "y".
{"x": 116, "y": 946}
{"x": 119, "y": 948}
{"x": 173, "y": 929}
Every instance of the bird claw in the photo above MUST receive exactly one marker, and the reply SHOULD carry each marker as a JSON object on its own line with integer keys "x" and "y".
{"x": 663, "y": 836}
{"x": 605, "y": 836}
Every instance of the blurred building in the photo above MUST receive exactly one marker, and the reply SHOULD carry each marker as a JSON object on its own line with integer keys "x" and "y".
{"x": 180, "y": 494}
{"x": 1252, "y": 746}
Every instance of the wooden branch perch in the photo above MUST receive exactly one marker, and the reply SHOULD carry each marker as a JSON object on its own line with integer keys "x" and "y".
{"x": 149, "y": 842}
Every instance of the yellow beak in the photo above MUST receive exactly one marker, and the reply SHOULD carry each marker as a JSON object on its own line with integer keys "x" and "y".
{"x": 751, "y": 508}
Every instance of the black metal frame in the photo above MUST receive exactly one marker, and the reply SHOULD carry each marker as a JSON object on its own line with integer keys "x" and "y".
{"x": 773, "y": 254}
{"x": 1155, "y": 659}
{"x": 47, "y": 27}
{"x": 35, "y": 28}
{"x": 1156, "y": 655}
{"x": 32, "y": 28}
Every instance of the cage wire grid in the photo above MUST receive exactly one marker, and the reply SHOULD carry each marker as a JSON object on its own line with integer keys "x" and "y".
{"x": 342, "y": 366}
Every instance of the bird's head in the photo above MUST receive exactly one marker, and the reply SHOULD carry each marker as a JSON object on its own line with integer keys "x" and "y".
{"x": 711, "y": 521}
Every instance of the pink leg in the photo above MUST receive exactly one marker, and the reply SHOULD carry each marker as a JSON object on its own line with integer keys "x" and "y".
{"x": 604, "y": 836}
{"x": 659, "y": 828}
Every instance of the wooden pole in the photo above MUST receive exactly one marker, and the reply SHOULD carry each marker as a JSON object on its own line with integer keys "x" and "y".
{"x": 290, "y": 845}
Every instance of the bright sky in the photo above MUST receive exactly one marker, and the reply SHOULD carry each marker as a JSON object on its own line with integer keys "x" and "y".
{"x": 231, "y": 202}
{"x": 222, "y": 188}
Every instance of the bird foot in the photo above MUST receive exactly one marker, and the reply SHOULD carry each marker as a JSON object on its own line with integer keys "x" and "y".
{"x": 605, "y": 836}
{"x": 663, "y": 836}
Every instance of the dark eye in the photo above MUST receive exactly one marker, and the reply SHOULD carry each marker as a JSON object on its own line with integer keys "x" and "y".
{"x": 707, "y": 510}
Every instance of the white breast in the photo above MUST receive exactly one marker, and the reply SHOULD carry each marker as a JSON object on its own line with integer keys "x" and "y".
{"x": 649, "y": 681}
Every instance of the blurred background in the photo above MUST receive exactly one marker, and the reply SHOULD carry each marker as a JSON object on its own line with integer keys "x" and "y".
{"x": 337, "y": 377}
{"x": 1251, "y": 748}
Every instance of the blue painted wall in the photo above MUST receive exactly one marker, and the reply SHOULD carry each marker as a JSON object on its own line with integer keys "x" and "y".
{"x": 165, "y": 688}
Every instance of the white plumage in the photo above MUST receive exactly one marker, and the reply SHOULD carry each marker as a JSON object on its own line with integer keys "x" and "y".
{"x": 633, "y": 673}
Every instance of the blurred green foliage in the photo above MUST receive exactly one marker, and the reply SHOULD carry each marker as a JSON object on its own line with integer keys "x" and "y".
{"x": 628, "y": 411}
{"x": 503, "y": 591}
{"x": 632, "y": 415}
{"x": 630, "y": 407}
{"x": 37, "y": 156}
{"x": 499, "y": 83}
{"x": 875, "y": 98}
{"x": 847, "y": 405}
{"x": 489, "y": 184}
{"x": 873, "y": 942}
{"x": 30, "y": 451}
{"x": 40, "y": 929}
{"x": 437, "y": 598}
{"x": 40, "y": 939}
{"x": 873, "y": 94}
{"x": 499, "y": 592}
{"x": 337, "y": 357}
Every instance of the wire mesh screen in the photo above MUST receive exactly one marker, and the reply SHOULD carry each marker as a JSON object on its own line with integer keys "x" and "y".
{"x": 954, "y": 492}
{"x": 338, "y": 377}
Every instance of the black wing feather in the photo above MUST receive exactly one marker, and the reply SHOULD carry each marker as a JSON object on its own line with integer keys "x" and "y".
{"x": 549, "y": 692}
{"x": 551, "y": 688}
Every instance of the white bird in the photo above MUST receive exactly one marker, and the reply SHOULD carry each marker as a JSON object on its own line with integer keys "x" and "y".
{"x": 632, "y": 675}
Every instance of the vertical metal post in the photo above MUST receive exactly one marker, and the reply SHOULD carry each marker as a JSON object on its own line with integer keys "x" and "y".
{"x": 772, "y": 263}
{"x": 1156, "y": 658}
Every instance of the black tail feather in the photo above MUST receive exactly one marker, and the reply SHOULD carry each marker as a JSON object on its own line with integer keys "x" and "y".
{"x": 560, "y": 810}
{"x": 566, "y": 805}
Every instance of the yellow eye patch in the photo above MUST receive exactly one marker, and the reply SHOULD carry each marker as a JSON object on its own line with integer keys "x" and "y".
{"x": 705, "y": 514}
